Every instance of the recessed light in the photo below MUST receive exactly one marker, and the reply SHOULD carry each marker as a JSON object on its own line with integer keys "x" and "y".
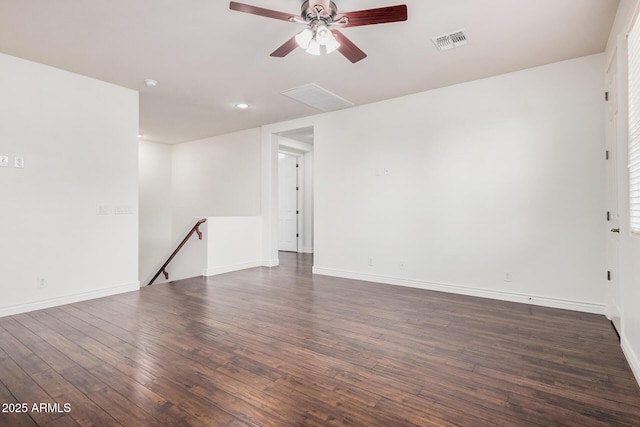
{"x": 242, "y": 106}
{"x": 151, "y": 82}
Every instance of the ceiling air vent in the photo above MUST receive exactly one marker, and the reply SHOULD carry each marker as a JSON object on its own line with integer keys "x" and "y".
{"x": 449, "y": 41}
{"x": 317, "y": 97}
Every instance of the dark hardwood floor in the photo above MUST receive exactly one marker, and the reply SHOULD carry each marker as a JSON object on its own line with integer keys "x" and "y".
{"x": 278, "y": 347}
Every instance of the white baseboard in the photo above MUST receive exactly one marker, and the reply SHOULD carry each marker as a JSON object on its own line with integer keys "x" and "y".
{"x": 465, "y": 290}
{"x": 212, "y": 271}
{"x": 68, "y": 299}
{"x": 271, "y": 262}
{"x": 632, "y": 357}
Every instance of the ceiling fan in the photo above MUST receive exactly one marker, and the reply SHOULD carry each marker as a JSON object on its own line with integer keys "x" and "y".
{"x": 321, "y": 18}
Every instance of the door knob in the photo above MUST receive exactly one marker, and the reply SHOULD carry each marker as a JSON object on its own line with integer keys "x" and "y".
{"x": 615, "y": 230}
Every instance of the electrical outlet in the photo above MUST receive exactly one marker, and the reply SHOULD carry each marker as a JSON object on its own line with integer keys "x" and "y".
{"x": 370, "y": 262}
{"x": 401, "y": 265}
{"x": 508, "y": 276}
{"x": 4, "y": 161}
{"x": 18, "y": 162}
{"x": 42, "y": 282}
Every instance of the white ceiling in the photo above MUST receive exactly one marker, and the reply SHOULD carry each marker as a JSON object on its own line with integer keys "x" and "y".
{"x": 207, "y": 58}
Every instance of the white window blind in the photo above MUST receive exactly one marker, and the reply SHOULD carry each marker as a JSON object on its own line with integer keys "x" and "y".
{"x": 634, "y": 128}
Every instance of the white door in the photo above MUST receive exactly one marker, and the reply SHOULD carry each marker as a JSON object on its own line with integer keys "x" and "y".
{"x": 287, "y": 203}
{"x": 613, "y": 222}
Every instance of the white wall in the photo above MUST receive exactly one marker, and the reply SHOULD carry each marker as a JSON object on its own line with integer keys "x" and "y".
{"x": 78, "y": 137}
{"x": 502, "y": 174}
{"x": 218, "y": 176}
{"x": 629, "y": 276}
{"x": 155, "y": 208}
{"x": 233, "y": 243}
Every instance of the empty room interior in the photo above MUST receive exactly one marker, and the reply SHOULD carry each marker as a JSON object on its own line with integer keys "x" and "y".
{"x": 320, "y": 213}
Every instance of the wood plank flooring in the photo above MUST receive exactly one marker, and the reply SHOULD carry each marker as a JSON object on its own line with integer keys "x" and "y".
{"x": 279, "y": 347}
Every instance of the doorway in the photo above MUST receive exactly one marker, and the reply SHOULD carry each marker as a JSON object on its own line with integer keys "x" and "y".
{"x": 295, "y": 190}
{"x": 288, "y": 210}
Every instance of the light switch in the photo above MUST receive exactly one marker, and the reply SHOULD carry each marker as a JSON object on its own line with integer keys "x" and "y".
{"x": 124, "y": 210}
{"x": 18, "y": 162}
{"x": 4, "y": 161}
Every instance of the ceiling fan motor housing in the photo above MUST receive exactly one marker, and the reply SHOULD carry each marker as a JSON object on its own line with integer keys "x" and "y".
{"x": 318, "y": 13}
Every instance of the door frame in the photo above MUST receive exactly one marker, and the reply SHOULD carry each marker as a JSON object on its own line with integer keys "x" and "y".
{"x": 612, "y": 196}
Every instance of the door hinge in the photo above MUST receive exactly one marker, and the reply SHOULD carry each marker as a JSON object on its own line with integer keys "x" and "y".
{"x": 606, "y": 155}
{"x": 297, "y": 212}
{"x": 297, "y": 188}
{"x": 608, "y": 275}
{"x": 608, "y": 216}
{"x": 297, "y": 235}
{"x": 606, "y": 96}
{"x": 297, "y": 165}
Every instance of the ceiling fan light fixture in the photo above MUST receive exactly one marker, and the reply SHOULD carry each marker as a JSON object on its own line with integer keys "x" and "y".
{"x": 332, "y": 44}
{"x": 314, "y": 48}
{"x": 326, "y": 39}
{"x": 323, "y": 35}
{"x": 304, "y": 38}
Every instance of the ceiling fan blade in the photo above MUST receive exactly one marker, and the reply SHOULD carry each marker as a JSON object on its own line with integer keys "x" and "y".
{"x": 381, "y": 15}
{"x": 352, "y": 52}
{"x": 286, "y": 48}
{"x": 268, "y": 13}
